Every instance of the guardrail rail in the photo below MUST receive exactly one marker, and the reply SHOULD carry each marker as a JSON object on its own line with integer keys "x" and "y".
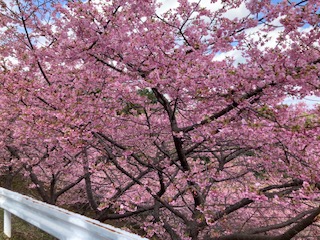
{"x": 58, "y": 222}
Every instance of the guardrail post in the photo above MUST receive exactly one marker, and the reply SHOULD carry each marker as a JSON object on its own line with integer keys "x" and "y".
{"x": 7, "y": 223}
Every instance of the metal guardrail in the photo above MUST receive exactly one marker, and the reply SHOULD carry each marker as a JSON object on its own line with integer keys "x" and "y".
{"x": 58, "y": 222}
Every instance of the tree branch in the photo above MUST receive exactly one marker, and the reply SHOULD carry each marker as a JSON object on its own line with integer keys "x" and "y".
{"x": 227, "y": 109}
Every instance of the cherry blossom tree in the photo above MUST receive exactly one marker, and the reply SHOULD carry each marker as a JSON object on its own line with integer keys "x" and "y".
{"x": 146, "y": 117}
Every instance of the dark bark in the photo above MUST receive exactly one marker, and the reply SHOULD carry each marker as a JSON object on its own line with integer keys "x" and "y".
{"x": 232, "y": 208}
{"x": 227, "y": 109}
{"x": 174, "y": 127}
{"x": 287, "y": 235}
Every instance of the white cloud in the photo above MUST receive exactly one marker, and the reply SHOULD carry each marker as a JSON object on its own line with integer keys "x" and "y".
{"x": 235, "y": 54}
{"x": 167, "y": 5}
{"x": 310, "y": 101}
{"x": 269, "y": 39}
{"x": 239, "y": 12}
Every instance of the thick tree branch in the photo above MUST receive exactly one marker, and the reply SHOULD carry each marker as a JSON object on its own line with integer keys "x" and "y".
{"x": 280, "y": 225}
{"x": 289, "y": 234}
{"x": 106, "y": 63}
{"x": 232, "y": 208}
{"x": 175, "y": 129}
{"x": 31, "y": 44}
{"x": 301, "y": 225}
{"x": 294, "y": 183}
{"x": 113, "y": 216}
{"x": 246, "y": 201}
{"x": 69, "y": 186}
{"x": 227, "y": 109}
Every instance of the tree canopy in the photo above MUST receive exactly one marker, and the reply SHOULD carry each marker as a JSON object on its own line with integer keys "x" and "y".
{"x": 171, "y": 120}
